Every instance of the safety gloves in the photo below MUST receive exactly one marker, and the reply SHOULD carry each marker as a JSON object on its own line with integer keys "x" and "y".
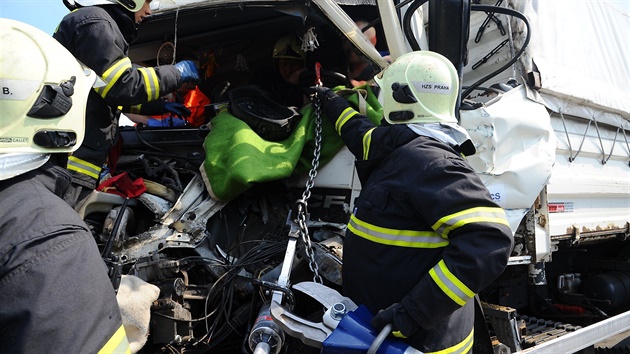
{"x": 403, "y": 325}
{"x": 176, "y": 109}
{"x": 325, "y": 94}
{"x": 178, "y": 112}
{"x": 166, "y": 122}
{"x": 188, "y": 71}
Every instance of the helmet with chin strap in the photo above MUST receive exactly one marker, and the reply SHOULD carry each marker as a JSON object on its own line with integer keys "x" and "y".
{"x": 131, "y": 5}
{"x": 43, "y": 98}
{"x": 419, "y": 87}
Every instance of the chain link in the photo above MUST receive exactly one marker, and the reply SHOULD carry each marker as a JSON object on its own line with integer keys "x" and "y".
{"x": 303, "y": 203}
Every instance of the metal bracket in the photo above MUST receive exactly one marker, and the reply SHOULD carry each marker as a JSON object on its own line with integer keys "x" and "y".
{"x": 311, "y": 333}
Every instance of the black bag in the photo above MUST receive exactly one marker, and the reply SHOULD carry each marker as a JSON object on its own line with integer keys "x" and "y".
{"x": 270, "y": 120}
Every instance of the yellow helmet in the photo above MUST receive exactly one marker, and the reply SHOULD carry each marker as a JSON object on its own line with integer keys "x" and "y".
{"x": 44, "y": 92}
{"x": 419, "y": 87}
{"x": 288, "y": 47}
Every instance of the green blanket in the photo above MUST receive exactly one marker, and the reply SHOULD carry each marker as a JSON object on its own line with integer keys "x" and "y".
{"x": 237, "y": 158}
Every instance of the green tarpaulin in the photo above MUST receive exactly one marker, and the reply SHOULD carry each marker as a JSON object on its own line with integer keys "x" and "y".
{"x": 237, "y": 158}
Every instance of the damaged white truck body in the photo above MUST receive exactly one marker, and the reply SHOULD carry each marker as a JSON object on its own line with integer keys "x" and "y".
{"x": 545, "y": 98}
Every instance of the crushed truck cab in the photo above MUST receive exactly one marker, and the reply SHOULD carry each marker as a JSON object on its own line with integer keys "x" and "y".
{"x": 231, "y": 220}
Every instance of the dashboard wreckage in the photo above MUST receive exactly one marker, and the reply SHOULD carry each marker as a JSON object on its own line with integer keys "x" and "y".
{"x": 243, "y": 236}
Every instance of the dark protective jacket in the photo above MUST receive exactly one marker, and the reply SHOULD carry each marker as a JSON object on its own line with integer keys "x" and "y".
{"x": 55, "y": 294}
{"x": 99, "y": 37}
{"x": 424, "y": 231}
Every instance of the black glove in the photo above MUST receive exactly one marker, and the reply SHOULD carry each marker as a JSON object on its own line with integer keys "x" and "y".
{"x": 400, "y": 320}
{"x": 188, "y": 71}
{"x": 176, "y": 109}
{"x": 324, "y": 93}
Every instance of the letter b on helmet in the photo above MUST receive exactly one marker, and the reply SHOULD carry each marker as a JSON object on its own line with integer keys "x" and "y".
{"x": 44, "y": 92}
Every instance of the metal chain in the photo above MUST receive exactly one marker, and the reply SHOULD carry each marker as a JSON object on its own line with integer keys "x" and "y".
{"x": 303, "y": 203}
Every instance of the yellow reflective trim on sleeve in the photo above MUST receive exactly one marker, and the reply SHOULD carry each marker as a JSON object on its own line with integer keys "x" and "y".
{"x": 462, "y": 347}
{"x": 151, "y": 83}
{"x": 118, "y": 343}
{"x": 343, "y": 118}
{"x": 135, "y": 109}
{"x": 480, "y": 214}
{"x": 111, "y": 75}
{"x": 367, "y": 140}
{"x": 398, "y": 334}
{"x": 84, "y": 167}
{"x": 450, "y": 285}
{"x": 393, "y": 237}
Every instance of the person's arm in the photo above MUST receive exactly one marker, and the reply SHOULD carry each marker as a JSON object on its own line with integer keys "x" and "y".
{"x": 365, "y": 140}
{"x": 348, "y": 123}
{"x": 98, "y": 43}
{"x": 138, "y": 118}
{"x": 454, "y": 200}
{"x": 156, "y": 122}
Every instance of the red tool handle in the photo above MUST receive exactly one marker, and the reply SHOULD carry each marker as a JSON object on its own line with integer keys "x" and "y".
{"x": 318, "y": 75}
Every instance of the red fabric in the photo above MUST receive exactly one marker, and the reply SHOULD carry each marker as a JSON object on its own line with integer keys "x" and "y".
{"x": 195, "y": 100}
{"x": 123, "y": 186}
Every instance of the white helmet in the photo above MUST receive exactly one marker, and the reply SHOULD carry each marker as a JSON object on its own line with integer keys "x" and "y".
{"x": 131, "y": 5}
{"x": 44, "y": 93}
{"x": 419, "y": 87}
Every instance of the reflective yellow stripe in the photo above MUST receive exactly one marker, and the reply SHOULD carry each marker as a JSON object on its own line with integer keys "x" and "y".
{"x": 118, "y": 343}
{"x": 450, "y": 285}
{"x": 398, "y": 334}
{"x": 135, "y": 109}
{"x": 367, "y": 140}
{"x": 111, "y": 75}
{"x": 468, "y": 216}
{"x": 151, "y": 83}
{"x": 393, "y": 237}
{"x": 462, "y": 347}
{"x": 343, "y": 118}
{"x": 84, "y": 167}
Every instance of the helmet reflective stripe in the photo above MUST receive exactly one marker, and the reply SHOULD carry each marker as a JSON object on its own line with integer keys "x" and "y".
{"x": 419, "y": 87}
{"x": 480, "y": 214}
{"x": 131, "y": 5}
{"x": 111, "y": 75}
{"x": 44, "y": 92}
{"x": 450, "y": 285}
{"x": 393, "y": 237}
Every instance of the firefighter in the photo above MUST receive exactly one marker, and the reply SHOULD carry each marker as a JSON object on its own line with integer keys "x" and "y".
{"x": 425, "y": 235}
{"x": 286, "y": 83}
{"x": 98, "y": 33}
{"x": 55, "y": 294}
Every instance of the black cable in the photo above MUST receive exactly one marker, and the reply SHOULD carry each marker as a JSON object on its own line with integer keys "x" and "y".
{"x": 407, "y": 23}
{"x": 474, "y": 7}
{"x": 144, "y": 141}
{"x": 216, "y": 332}
{"x": 509, "y": 12}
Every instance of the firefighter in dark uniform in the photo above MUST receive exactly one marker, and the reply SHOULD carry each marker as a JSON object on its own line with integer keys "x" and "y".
{"x": 425, "y": 235}
{"x": 55, "y": 294}
{"x": 98, "y": 33}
